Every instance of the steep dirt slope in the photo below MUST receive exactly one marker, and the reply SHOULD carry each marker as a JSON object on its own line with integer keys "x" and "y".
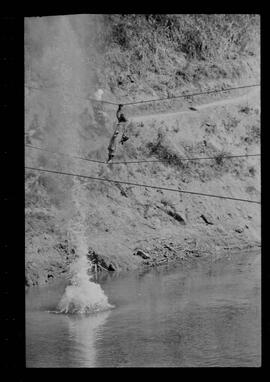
{"x": 122, "y": 219}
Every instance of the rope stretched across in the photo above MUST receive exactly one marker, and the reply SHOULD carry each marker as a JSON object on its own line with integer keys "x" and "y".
{"x": 141, "y": 161}
{"x": 142, "y": 185}
{"x": 156, "y": 99}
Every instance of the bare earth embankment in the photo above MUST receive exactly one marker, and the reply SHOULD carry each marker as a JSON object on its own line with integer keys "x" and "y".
{"x": 127, "y": 226}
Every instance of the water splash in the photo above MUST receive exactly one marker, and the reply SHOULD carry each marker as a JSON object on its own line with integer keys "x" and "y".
{"x": 83, "y": 295}
{"x": 65, "y": 62}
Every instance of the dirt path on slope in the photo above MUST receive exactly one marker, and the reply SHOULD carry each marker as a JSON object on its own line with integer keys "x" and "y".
{"x": 222, "y": 102}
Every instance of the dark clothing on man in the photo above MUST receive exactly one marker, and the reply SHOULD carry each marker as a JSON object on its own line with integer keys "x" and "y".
{"x": 112, "y": 144}
{"x": 122, "y": 121}
{"x": 120, "y": 116}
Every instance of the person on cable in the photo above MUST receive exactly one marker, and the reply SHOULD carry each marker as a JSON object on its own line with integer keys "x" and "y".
{"x": 121, "y": 120}
{"x": 112, "y": 145}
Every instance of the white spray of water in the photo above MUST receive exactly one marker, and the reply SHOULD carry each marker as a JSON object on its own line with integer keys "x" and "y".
{"x": 65, "y": 62}
{"x": 83, "y": 295}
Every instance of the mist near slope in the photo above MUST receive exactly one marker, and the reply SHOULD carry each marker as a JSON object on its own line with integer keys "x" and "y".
{"x": 62, "y": 66}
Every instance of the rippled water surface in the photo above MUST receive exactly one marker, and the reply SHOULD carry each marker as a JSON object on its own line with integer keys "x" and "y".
{"x": 201, "y": 314}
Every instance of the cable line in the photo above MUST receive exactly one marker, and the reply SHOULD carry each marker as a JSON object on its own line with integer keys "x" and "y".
{"x": 68, "y": 155}
{"x": 143, "y": 161}
{"x": 156, "y": 99}
{"x": 85, "y": 98}
{"x": 142, "y": 185}
{"x": 193, "y": 94}
{"x": 190, "y": 159}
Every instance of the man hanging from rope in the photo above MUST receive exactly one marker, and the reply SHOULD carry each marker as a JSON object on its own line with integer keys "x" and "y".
{"x": 112, "y": 145}
{"x": 121, "y": 121}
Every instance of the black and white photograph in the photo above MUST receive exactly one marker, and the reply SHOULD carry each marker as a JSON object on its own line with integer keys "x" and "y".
{"x": 142, "y": 180}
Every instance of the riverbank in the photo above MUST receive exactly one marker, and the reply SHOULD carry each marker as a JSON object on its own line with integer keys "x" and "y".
{"x": 126, "y": 226}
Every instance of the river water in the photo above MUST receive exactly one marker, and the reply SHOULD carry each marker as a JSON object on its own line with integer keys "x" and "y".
{"x": 198, "y": 314}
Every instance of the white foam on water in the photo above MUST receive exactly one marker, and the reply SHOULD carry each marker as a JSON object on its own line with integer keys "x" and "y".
{"x": 83, "y": 295}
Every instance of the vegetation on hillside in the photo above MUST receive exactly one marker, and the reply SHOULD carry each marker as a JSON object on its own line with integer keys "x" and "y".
{"x": 137, "y": 56}
{"x": 176, "y": 49}
{"x": 199, "y": 36}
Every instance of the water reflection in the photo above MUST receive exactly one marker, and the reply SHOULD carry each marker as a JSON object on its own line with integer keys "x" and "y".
{"x": 83, "y": 332}
{"x": 59, "y": 340}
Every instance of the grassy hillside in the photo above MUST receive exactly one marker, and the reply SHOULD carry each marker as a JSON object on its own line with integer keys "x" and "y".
{"x": 139, "y": 57}
{"x": 163, "y": 54}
